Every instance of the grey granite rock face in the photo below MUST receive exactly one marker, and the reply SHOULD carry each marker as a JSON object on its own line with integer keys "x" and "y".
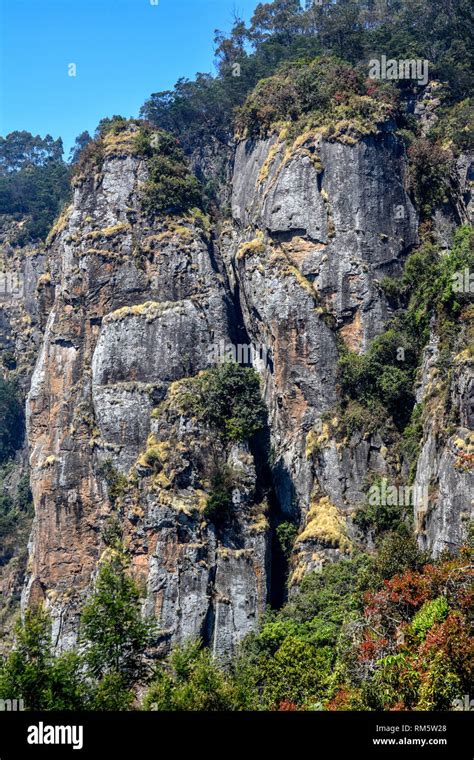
{"x": 294, "y": 203}
{"x": 317, "y": 226}
{"x": 203, "y": 580}
{"x": 444, "y": 469}
{"x": 140, "y": 306}
{"x": 138, "y": 353}
{"x": 139, "y": 303}
{"x": 348, "y": 201}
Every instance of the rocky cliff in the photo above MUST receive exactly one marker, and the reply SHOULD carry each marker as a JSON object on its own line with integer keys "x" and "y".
{"x": 137, "y": 308}
{"x": 142, "y": 304}
{"x": 25, "y": 298}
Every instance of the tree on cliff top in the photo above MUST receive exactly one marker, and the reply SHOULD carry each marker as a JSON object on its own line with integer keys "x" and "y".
{"x": 279, "y": 31}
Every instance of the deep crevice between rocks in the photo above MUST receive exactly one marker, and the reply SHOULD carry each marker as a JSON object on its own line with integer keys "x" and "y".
{"x": 260, "y": 447}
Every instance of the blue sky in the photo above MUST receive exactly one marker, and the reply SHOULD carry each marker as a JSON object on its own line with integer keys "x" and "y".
{"x": 123, "y": 51}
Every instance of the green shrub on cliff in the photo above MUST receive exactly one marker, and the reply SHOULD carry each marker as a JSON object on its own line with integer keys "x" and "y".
{"x": 435, "y": 285}
{"x": 286, "y": 533}
{"x": 171, "y": 187}
{"x": 8, "y": 515}
{"x": 319, "y": 93}
{"x": 218, "y": 507}
{"x": 11, "y": 421}
{"x": 455, "y": 127}
{"x": 429, "y": 171}
{"x": 385, "y": 375}
{"x": 15, "y": 510}
{"x": 228, "y": 399}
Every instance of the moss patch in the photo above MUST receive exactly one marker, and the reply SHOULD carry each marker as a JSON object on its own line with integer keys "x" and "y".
{"x": 325, "y": 524}
{"x": 255, "y": 246}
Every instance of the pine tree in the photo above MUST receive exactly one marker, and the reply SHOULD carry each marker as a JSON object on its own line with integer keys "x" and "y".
{"x": 113, "y": 631}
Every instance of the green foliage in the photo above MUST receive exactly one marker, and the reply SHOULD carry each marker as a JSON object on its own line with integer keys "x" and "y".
{"x": 16, "y": 513}
{"x": 24, "y": 496}
{"x": 8, "y": 515}
{"x": 228, "y": 399}
{"x": 116, "y": 481}
{"x": 88, "y": 153}
{"x": 114, "y": 125}
{"x": 380, "y": 376}
{"x": 8, "y": 359}
{"x": 190, "y": 681}
{"x": 90, "y": 158}
{"x": 282, "y": 31}
{"x": 293, "y": 656}
{"x": 218, "y": 509}
{"x": 331, "y": 595}
{"x": 286, "y": 536}
{"x": 111, "y": 694}
{"x": 440, "y": 686}
{"x": 455, "y": 127}
{"x": 356, "y": 418}
{"x": 20, "y": 150}
{"x": 11, "y": 420}
{"x": 433, "y": 611}
{"x": 385, "y": 375}
{"x": 288, "y": 664}
{"x": 112, "y": 534}
{"x": 353, "y": 636}
{"x": 13, "y": 509}
{"x": 171, "y": 188}
{"x": 326, "y": 89}
{"x": 397, "y": 552}
{"x": 298, "y": 672}
{"x": 427, "y": 287}
{"x": 413, "y": 648}
{"x": 32, "y": 673}
{"x": 25, "y": 674}
{"x": 37, "y": 194}
{"x": 105, "y": 672}
{"x": 34, "y": 183}
{"x": 380, "y": 517}
{"x": 80, "y": 143}
{"x": 429, "y": 172}
{"x": 112, "y": 629}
